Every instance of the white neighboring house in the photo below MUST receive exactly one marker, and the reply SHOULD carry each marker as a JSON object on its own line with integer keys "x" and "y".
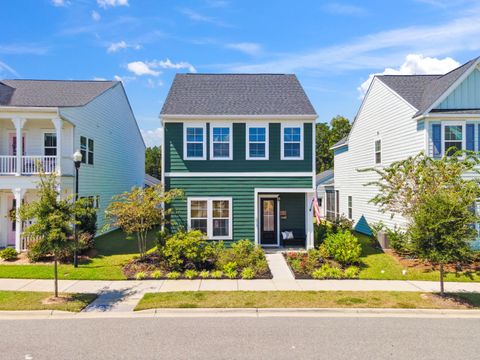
{"x": 400, "y": 116}
{"x": 54, "y": 119}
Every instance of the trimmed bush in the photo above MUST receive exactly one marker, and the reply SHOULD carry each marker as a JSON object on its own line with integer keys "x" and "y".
{"x": 230, "y": 270}
{"x": 343, "y": 247}
{"x": 172, "y": 275}
{"x": 204, "y": 274}
{"x": 8, "y": 254}
{"x": 248, "y": 273}
{"x": 217, "y": 274}
{"x": 157, "y": 274}
{"x": 327, "y": 272}
{"x": 351, "y": 272}
{"x": 190, "y": 274}
{"x": 140, "y": 275}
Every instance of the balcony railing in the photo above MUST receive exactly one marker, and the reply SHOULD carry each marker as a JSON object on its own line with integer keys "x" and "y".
{"x": 30, "y": 165}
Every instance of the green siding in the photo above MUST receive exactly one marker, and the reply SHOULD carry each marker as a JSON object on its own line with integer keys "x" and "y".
{"x": 174, "y": 155}
{"x": 294, "y": 205}
{"x": 242, "y": 190}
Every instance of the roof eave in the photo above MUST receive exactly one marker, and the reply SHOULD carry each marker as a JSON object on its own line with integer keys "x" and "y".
{"x": 311, "y": 117}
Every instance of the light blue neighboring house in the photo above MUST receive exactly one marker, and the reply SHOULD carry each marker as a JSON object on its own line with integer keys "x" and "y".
{"x": 400, "y": 116}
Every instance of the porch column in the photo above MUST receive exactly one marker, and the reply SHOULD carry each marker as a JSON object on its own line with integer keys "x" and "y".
{"x": 19, "y": 122}
{"x": 309, "y": 219}
{"x": 57, "y": 122}
{"x": 19, "y": 193}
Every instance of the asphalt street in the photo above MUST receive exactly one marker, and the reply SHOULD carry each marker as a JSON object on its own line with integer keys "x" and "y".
{"x": 240, "y": 338}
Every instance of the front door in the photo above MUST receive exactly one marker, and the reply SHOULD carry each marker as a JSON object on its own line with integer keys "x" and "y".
{"x": 268, "y": 221}
{"x": 12, "y": 144}
{"x": 11, "y": 205}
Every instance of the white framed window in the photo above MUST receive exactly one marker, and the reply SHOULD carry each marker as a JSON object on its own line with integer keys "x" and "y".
{"x": 221, "y": 141}
{"x": 378, "y": 151}
{"x": 87, "y": 150}
{"x": 292, "y": 141}
{"x": 194, "y": 141}
{"x": 211, "y": 215}
{"x": 256, "y": 141}
{"x": 453, "y": 136}
{"x": 350, "y": 208}
{"x": 49, "y": 144}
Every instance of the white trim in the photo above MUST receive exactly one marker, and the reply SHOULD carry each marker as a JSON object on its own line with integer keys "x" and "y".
{"x": 284, "y": 190}
{"x": 247, "y": 140}
{"x": 230, "y": 140}
{"x": 209, "y": 200}
{"x": 237, "y": 174}
{"x": 314, "y": 158}
{"x": 269, "y": 196}
{"x": 273, "y": 117}
{"x": 47, "y": 131}
{"x": 448, "y": 117}
{"x": 458, "y": 123}
{"x": 302, "y": 142}
{"x": 204, "y": 143}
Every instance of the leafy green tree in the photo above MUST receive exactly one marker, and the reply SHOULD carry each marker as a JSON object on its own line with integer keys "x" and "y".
{"x": 153, "y": 161}
{"x": 55, "y": 218}
{"x": 140, "y": 210}
{"x": 441, "y": 230}
{"x": 325, "y": 137}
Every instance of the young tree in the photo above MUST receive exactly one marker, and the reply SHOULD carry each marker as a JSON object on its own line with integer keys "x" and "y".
{"x": 140, "y": 210}
{"x": 441, "y": 228}
{"x": 325, "y": 137}
{"x": 54, "y": 220}
{"x": 153, "y": 161}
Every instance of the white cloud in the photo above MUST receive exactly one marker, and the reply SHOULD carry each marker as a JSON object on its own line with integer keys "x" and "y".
{"x": 344, "y": 9}
{"x": 415, "y": 65}
{"x": 99, "y": 78}
{"x": 95, "y": 15}
{"x": 153, "y": 84}
{"x": 246, "y": 47}
{"x": 196, "y": 16}
{"x": 59, "y": 3}
{"x": 114, "y": 47}
{"x": 140, "y": 68}
{"x": 167, "y": 64}
{"x": 4, "y": 67}
{"x": 124, "y": 79}
{"x": 113, "y": 3}
{"x": 152, "y": 137}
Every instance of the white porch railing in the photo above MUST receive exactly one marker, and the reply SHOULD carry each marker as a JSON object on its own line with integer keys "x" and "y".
{"x": 25, "y": 240}
{"x": 35, "y": 164}
{"x": 8, "y": 165}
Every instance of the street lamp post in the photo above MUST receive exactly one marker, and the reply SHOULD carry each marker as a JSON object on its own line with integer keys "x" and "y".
{"x": 77, "y": 160}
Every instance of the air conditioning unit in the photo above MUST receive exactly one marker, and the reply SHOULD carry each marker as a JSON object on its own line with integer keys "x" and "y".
{"x": 382, "y": 238}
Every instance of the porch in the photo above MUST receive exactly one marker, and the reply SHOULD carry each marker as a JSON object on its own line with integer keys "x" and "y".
{"x": 284, "y": 218}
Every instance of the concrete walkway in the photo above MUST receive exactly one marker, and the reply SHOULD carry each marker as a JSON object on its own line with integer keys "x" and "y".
{"x": 279, "y": 268}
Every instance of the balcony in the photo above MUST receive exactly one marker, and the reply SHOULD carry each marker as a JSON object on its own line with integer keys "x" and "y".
{"x": 29, "y": 165}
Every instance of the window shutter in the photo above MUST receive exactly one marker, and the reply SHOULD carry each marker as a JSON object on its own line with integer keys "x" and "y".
{"x": 437, "y": 140}
{"x": 470, "y": 137}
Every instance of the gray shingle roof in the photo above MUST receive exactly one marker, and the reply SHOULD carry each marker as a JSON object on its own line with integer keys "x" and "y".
{"x": 421, "y": 91}
{"x": 324, "y": 177}
{"x": 340, "y": 142}
{"x": 237, "y": 94}
{"x": 55, "y": 93}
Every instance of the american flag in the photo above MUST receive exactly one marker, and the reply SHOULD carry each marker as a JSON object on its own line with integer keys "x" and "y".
{"x": 316, "y": 208}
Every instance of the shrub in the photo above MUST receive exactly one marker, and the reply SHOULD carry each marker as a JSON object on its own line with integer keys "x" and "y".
{"x": 172, "y": 275}
{"x": 37, "y": 250}
{"x": 321, "y": 231}
{"x": 204, "y": 274}
{"x": 296, "y": 265}
{"x": 230, "y": 270}
{"x": 343, "y": 247}
{"x": 248, "y": 273}
{"x": 157, "y": 274}
{"x": 245, "y": 254}
{"x": 376, "y": 227}
{"x": 312, "y": 260}
{"x": 351, "y": 272}
{"x": 8, "y": 254}
{"x": 217, "y": 274}
{"x": 190, "y": 274}
{"x": 327, "y": 272}
{"x": 140, "y": 275}
{"x": 342, "y": 224}
{"x": 185, "y": 250}
{"x": 399, "y": 241}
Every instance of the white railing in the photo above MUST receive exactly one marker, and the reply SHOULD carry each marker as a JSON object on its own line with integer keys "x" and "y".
{"x": 8, "y": 164}
{"x": 36, "y": 164}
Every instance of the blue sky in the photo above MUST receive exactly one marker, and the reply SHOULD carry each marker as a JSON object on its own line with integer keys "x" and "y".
{"x": 333, "y": 46}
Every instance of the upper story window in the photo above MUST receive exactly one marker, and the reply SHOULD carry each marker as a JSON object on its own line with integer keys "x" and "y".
{"x": 50, "y": 144}
{"x": 257, "y": 142}
{"x": 453, "y": 139}
{"x": 194, "y": 142}
{"x": 87, "y": 150}
{"x": 378, "y": 151}
{"x": 221, "y": 141}
{"x": 292, "y": 142}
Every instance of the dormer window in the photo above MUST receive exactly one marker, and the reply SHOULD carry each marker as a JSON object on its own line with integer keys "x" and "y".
{"x": 194, "y": 142}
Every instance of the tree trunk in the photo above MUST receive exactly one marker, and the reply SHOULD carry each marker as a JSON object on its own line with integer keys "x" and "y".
{"x": 55, "y": 275}
{"x": 442, "y": 288}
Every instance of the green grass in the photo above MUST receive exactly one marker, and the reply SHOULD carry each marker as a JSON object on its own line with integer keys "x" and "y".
{"x": 375, "y": 261}
{"x": 113, "y": 251}
{"x": 29, "y": 300}
{"x": 306, "y": 299}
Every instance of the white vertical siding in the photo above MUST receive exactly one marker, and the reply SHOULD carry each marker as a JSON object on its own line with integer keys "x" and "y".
{"x": 119, "y": 150}
{"x": 384, "y": 115}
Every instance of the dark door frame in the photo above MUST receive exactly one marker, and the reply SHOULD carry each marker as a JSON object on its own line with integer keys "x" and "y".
{"x": 276, "y": 219}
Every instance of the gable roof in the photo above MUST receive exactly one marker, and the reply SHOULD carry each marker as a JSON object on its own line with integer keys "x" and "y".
{"x": 422, "y": 91}
{"x": 51, "y": 93}
{"x": 237, "y": 94}
{"x": 325, "y": 177}
{"x": 341, "y": 142}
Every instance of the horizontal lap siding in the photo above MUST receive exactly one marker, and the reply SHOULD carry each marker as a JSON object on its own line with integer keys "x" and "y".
{"x": 385, "y": 116}
{"x": 174, "y": 155}
{"x": 294, "y": 205}
{"x": 240, "y": 189}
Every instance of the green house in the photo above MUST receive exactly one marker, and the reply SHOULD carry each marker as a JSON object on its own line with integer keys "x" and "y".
{"x": 241, "y": 147}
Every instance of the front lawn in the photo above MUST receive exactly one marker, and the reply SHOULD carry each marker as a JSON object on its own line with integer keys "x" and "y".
{"x": 113, "y": 250}
{"x": 29, "y": 300}
{"x": 307, "y": 299}
{"x": 378, "y": 265}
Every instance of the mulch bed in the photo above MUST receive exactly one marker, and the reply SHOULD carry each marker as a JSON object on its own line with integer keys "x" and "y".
{"x": 425, "y": 266}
